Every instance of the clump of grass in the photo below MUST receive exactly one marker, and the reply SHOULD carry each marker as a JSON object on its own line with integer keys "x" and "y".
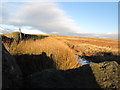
{"x": 63, "y": 57}
{"x": 95, "y": 53}
{"x": 85, "y": 49}
{"x": 16, "y": 36}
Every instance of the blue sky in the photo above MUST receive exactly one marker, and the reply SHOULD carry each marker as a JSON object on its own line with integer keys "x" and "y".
{"x": 99, "y": 17}
{"x": 90, "y": 19}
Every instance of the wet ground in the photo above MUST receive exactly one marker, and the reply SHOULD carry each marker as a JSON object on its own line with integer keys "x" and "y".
{"x": 83, "y": 61}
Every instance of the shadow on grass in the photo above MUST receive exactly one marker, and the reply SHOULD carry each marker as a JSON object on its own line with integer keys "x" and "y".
{"x": 33, "y": 63}
{"x": 102, "y": 56}
{"x": 7, "y": 39}
{"x": 39, "y": 71}
{"x": 81, "y": 77}
{"x": 34, "y": 37}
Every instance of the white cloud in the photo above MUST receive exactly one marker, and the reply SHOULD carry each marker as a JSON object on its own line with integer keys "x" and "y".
{"x": 0, "y": 13}
{"x": 61, "y": 0}
{"x": 47, "y": 17}
{"x": 55, "y": 32}
{"x": 0, "y": 19}
{"x": 4, "y": 30}
{"x": 24, "y": 29}
{"x": 31, "y": 30}
{"x": 109, "y": 35}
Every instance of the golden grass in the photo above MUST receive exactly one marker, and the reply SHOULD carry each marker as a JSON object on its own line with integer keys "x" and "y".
{"x": 84, "y": 44}
{"x": 90, "y": 47}
{"x": 62, "y": 55}
{"x": 60, "y": 47}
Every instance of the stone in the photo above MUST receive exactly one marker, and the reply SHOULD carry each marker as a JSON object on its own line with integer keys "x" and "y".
{"x": 11, "y": 73}
{"x": 87, "y": 76}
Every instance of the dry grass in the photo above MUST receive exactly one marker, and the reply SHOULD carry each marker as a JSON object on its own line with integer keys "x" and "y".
{"x": 85, "y": 45}
{"x": 62, "y": 45}
{"x": 36, "y": 55}
{"x": 95, "y": 49}
{"x": 92, "y": 46}
{"x": 64, "y": 58}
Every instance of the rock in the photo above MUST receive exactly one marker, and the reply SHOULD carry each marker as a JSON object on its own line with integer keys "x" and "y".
{"x": 87, "y": 76}
{"x": 11, "y": 73}
{"x": 73, "y": 78}
{"x": 107, "y": 74}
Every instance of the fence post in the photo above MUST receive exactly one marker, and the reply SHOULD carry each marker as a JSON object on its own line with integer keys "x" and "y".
{"x": 20, "y": 34}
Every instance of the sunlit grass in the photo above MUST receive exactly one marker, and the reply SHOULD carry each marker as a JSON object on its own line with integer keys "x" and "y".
{"x": 62, "y": 49}
{"x": 92, "y": 48}
{"x": 63, "y": 56}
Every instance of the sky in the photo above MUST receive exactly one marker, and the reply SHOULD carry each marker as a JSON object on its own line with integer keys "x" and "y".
{"x": 94, "y": 17}
{"x": 83, "y": 19}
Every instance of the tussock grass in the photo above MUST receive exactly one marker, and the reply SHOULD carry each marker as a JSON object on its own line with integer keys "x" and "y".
{"x": 58, "y": 52}
{"x": 63, "y": 57}
{"x": 62, "y": 49}
{"x": 85, "y": 45}
{"x": 93, "y": 52}
{"x": 90, "y": 49}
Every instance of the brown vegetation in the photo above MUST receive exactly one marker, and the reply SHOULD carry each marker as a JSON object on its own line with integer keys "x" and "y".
{"x": 30, "y": 52}
{"x": 35, "y": 53}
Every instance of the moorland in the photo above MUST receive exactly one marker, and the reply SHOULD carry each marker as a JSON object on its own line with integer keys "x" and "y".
{"x": 51, "y": 61}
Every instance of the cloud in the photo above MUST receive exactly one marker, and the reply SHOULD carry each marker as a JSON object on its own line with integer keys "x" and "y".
{"x": 31, "y": 30}
{"x": 25, "y": 29}
{"x": 61, "y": 0}
{"x": 0, "y": 13}
{"x": 5, "y": 30}
{"x": 109, "y": 35}
{"x": 0, "y": 19}
{"x": 55, "y": 32}
{"x": 47, "y": 17}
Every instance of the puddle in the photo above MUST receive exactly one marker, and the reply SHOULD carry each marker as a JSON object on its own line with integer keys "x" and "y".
{"x": 83, "y": 61}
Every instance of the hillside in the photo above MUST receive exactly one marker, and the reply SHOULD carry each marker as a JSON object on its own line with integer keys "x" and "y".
{"x": 35, "y": 53}
{"x": 84, "y": 46}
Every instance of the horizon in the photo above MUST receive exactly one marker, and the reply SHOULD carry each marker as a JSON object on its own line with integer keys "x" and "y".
{"x": 62, "y": 35}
